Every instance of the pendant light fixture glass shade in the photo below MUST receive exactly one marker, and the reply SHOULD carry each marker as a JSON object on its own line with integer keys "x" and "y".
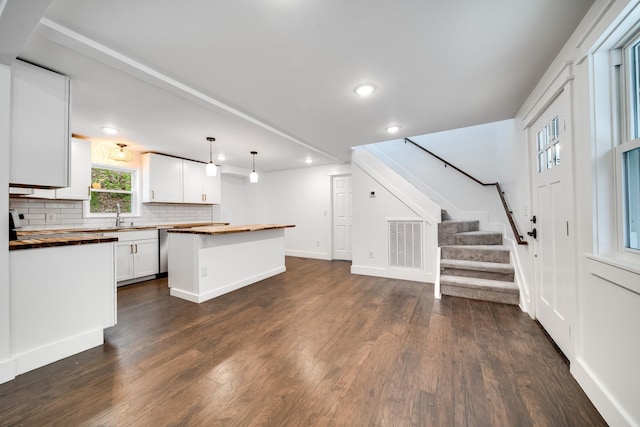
{"x": 121, "y": 154}
{"x": 253, "y": 176}
{"x": 211, "y": 169}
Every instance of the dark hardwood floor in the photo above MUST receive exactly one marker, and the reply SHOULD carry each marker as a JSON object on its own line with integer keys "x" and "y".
{"x": 313, "y": 346}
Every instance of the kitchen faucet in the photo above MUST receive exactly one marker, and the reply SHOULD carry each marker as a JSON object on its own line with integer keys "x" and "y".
{"x": 119, "y": 221}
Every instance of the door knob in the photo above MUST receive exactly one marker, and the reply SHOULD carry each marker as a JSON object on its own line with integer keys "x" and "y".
{"x": 533, "y": 233}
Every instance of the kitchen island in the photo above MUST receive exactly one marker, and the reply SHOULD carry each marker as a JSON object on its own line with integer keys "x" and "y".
{"x": 206, "y": 262}
{"x": 63, "y": 296}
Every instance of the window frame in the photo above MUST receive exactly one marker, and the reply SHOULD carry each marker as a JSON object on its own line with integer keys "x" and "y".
{"x": 628, "y": 135}
{"x": 135, "y": 194}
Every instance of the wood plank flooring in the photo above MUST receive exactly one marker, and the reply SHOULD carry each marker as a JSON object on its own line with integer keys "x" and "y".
{"x": 315, "y": 346}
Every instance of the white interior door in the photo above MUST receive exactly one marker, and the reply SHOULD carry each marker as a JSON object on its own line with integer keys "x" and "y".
{"x": 550, "y": 145}
{"x": 342, "y": 217}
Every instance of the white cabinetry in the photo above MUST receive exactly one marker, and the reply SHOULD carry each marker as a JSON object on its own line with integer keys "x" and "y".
{"x": 39, "y": 145}
{"x": 80, "y": 182}
{"x": 161, "y": 178}
{"x": 136, "y": 255}
{"x": 172, "y": 180}
{"x": 212, "y": 189}
{"x": 198, "y": 187}
{"x": 61, "y": 300}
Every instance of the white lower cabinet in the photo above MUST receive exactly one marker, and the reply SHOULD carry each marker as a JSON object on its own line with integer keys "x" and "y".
{"x": 137, "y": 255}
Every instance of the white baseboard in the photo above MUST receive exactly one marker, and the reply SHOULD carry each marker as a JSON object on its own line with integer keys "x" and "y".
{"x": 308, "y": 254}
{"x": 206, "y": 296}
{"x": 7, "y": 370}
{"x": 605, "y": 403}
{"x": 389, "y": 273}
{"x": 52, "y": 352}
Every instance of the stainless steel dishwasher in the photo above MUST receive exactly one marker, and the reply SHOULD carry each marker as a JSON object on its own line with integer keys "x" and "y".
{"x": 163, "y": 252}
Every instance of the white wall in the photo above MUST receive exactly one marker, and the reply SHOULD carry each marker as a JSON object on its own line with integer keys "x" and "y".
{"x": 7, "y": 367}
{"x": 303, "y": 197}
{"x": 240, "y": 202}
{"x": 369, "y": 234}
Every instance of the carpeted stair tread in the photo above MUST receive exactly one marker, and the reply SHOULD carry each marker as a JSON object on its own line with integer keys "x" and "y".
{"x": 483, "y": 284}
{"x": 480, "y": 247}
{"x": 449, "y": 228}
{"x": 476, "y": 265}
{"x": 486, "y": 253}
{"x": 477, "y": 238}
{"x": 479, "y": 233}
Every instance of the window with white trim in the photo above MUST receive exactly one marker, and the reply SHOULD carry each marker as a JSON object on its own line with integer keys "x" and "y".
{"x": 112, "y": 188}
{"x": 628, "y": 151}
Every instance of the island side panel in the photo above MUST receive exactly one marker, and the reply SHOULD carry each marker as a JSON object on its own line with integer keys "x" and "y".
{"x": 183, "y": 265}
{"x": 62, "y": 298}
{"x": 227, "y": 262}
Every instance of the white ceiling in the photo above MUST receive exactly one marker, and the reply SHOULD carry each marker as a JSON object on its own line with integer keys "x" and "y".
{"x": 277, "y": 76}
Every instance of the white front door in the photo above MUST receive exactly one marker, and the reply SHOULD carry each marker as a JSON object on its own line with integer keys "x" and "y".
{"x": 342, "y": 217}
{"x": 550, "y": 145}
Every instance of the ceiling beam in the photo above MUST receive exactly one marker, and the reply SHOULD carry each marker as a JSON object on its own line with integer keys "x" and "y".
{"x": 18, "y": 18}
{"x": 92, "y": 49}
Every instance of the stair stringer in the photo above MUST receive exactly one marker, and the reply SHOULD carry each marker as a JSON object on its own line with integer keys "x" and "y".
{"x": 418, "y": 202}
{"x": 520, "y": 280}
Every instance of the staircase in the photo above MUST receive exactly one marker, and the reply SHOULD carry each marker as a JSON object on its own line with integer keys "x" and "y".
{"x": 475, "y": 264}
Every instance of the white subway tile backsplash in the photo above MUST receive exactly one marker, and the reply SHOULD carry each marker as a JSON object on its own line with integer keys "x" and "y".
{"x": 69, "y": 214}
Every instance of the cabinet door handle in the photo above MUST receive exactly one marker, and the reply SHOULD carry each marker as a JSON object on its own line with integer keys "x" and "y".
{"x": 205, "y": 197}
{"x": 136, "y": 245}
{"x": 153, "y": 195}
{"x": 130, "y": 249}
{"x": 89, "y": 190}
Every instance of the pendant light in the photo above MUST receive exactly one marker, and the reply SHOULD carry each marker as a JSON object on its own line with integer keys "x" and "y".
{"x": 211, "y": 169}
{"x": 120, "y": 154}
{"x": 253, "y": 176}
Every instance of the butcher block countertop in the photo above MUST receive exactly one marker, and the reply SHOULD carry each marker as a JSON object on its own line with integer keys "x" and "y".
{"x": 226, "y": 229}
{"x": 48, "y": 242}
{"x": 23, "y": 233}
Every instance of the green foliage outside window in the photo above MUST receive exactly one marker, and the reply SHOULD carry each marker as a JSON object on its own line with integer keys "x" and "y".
{"x": 110, "y": 187}
{"x": 111, "y": 179}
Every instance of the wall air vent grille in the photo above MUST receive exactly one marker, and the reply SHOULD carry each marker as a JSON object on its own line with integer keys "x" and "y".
{"x": 405, "y": 244}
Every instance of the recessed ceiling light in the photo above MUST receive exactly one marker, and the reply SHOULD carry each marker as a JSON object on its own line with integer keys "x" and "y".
{"x": 393, "y": 129}
{"x": 110, "y": 130}
{"x": 365, "y": 89}
{"x": 222, "y": 157}
{"x": 308, "y": 160}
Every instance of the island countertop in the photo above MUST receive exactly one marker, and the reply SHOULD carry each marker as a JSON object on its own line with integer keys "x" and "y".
{"x": 226, "y": 229}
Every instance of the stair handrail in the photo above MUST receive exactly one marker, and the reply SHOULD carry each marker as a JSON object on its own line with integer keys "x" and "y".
{"x": 509, "y": 212}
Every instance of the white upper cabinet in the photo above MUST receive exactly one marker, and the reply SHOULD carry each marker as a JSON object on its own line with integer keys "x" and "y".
{"x": 39, "y": 146}
{"x": 198, "y": 187}
{"x": 193, "y": 174}
{"x": 80, "y": 185}
{"x": 212, "y": 188}
{"x": 79, "y": 188}
{"x": 171, "y": 180}
{"x": 161, "y": 178}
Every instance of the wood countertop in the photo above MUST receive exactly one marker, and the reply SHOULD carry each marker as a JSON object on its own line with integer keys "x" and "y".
{"x": 48, "y": 242}
{"x": 226, "y": 229}
{"x": 22, "y": 233}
